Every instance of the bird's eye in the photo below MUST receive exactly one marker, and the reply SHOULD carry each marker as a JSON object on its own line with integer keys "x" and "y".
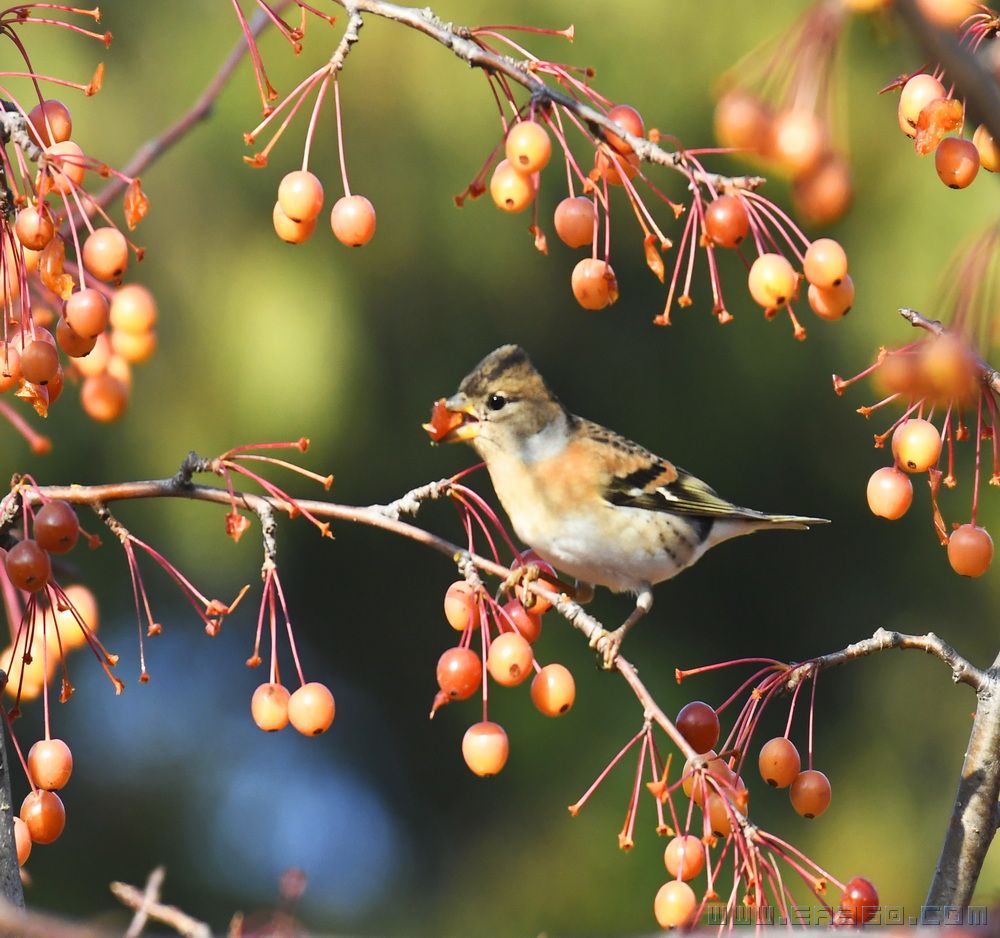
{"x": 495, "y": 401}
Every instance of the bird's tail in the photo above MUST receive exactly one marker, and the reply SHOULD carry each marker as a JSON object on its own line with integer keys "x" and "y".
{"x": 790, "y": 522}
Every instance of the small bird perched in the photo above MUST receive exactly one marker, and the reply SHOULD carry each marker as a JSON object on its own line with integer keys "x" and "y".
{"x": 595, "y": 505}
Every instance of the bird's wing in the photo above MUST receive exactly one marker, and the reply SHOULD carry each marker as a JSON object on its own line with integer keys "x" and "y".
{"x": 637, "y": 478}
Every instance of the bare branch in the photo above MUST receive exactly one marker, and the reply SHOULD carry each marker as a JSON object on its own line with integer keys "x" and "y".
{"x": 147, "y": 905}
{"x": 962, "y": 671}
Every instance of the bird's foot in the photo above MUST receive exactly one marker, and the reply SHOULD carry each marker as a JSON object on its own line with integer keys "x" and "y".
{"x": 607, "y": 644}
{"x": 519, "y": 577}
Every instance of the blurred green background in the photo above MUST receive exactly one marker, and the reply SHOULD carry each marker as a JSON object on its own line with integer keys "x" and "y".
{"x": 260, "y": 340}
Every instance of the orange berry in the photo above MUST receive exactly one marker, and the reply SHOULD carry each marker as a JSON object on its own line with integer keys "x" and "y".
{"x": 269, "y": 707}
{"x": 460, "y": 607}
{"x": 83, "y": 600}
{"x": 916, "y": 444}
{"x": 594, "y": 284}
{"x": 833, "y": 303}
{"x": 528, "y": 147}
{"x": 459, "y": 673}
{"x": 311, "y": 709}
{"x": 859, "y": 903}
{"x": 43, "y": 813}
{"x": 22, "y": 841}
{"x": 300, "y": 195}
{"x": 948, "y": 367}
{"x": 133, "y": 347}
{"x": 10, "y": 366}
{"x": 684, "y": 857}
{"x": 87, "y": 312}
{"x": 511, "y": 190}
{"x": 575, "y": 221}
{"x": 779, "y": 761}
{"x": 611, "y": 166}
{"x": 34, "y": 226}
{"x": 726, "y": 221}
{"x": 798, "y": 140}
{"x": 675, "y": 904}
{"x": 56, "y": 527}
{"x": 66, "y": 165}
{"x": 509, "y": 659}
{"x": 825, "y": 263}
{"x": 553, "y": 690}
{"x": 75, "y": 346}
{"x": 916, "y": 94}
{"x": 95, "y": 362}
{"x": 890, "y": 493}
{"x": 772, "y": 280}
{"x": 629, "y": 119}
{"x": 28, "y": 566}
{"x": 810, "y": 793}
{"x": 290, "y": 230}
{"x": 51, "y": 121}
{"x": 485, "y": 748}
{"x": 133, "y": 309}
{"x": 39, "y": 362}
{"x": 103, "y": 397}
{"x": 742, "y": 121}
{"x": 823, "y": 195}
{"x": 353, "y": 220}
{"x": 527, "y": 624}
{"x": 105, "y": 253}
{"x": 121, "y": 370}
{"x": 718, "y": 811}
{"x": 970, "y": 550}
{"x": 989, "y": 152}
{"x": 957, "y": 162}
{"x": 694, "y": 784}
{"x": 50, "y": 764}
{"x": 698, "y": 723}
{"x": 947, "y": 13}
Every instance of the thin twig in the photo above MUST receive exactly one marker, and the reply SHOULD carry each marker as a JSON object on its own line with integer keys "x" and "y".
{"x": 146, "y": 904}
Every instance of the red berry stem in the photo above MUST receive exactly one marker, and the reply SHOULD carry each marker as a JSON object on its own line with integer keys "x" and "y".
{"x": 574, "y": 808}
{"x": 978, "y": 469}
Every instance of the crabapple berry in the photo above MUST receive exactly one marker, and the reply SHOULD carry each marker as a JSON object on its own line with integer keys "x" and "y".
{"x": 10, "y": 366}
{"x": 810, "y": 793}
{"x": 22, "y": 841}
{"x": 742, "y": 121}
{"x": 798, "y": 140}
{"x": 834, "y": 302}
{"x": 970, "y": 550}
{"x": 772, "y": 280}
{"x": 311, "y": 709}
{"x": 34, "y": 226}
{"x": 133, "y": 309}
{"x": 917, "y": 93}
{"x": 726, "y": 221}
{"x": 528, "y": 147}
{"x": 511, "y": 190}
{"x": 824, "y": 194}
{"x": 779, "y": 761}
{"x": 43, "y": 813}
{"x": 675, "y": 904}
{"x": 684, "y": 857}
{"x": 28, "y": 566}
{"x": 825, "y": 263}
{"x": 56, "y": 527}
{"x": 698, "y": 723}
{"x": 948, "y": 366}
{"x": 300, "y": 195}
{"x": 51, "y": 122}
{"x": 39, "y": 362}
{"x": 890, "y": 493}
{"x": 105, "y": 253}
{"x": 87, "y": 312}
{"x": 459, "y": 673}
{"x": 460, "y": 605}
{"x": 989, "y": 152}
{"x": 957, "y": 162}
{"x": 859, "y": 903}
{"x": 509, "y": 659}
{"x": 75, "y": 346}
{"x": 103, "y": 397}
{"x": 353, "y": 220}
{"x": 916, "y": 444}
{"x": 527, "y": 624}
{"x": 630, "y": 119}
{"x": 485, "y": 748}
{"x": 83, "y": 601}
{"x": 575, "y": 220}
{"x": 133, "y": 347}
{"x": 594, "y": 284}
{"x": 553, "y": 690}
{"x": 66, "y": 166}
{"x": 50, "y": 764}
{"x": 611, "y": 166}
{"x": 291, "y": 230}
{"x": 269, "y": 707}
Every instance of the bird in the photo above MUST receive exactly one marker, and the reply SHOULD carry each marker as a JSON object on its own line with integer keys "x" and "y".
{"x": 595, "y": 505}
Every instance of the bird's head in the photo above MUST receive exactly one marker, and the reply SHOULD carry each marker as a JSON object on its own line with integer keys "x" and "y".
{"x": 501, "y": 402}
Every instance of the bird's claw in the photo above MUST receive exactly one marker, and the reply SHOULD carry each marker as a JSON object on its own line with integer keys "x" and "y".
{"x": 520, "y": 576}
{"x": 607, "y": 644}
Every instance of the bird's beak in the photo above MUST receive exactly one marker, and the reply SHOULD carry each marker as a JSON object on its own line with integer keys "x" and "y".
{"x": 453, "y": 420}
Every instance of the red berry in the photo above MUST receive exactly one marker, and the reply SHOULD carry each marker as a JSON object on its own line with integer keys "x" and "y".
{"x": 34, "y": 226}
{"x": 87, "y": 312}
{"x": 553, "y": 690}
{"x": 22, "y": 841}
{"x": 859, "y": 903}
{"x": 825, "y": 263}
{"x": 675, "y": 904}
{"x": 684, "y": 857}
{"x": 699, "y": 725}
{"x": 575, "y": 220}
{"x": 459, "y": 673}
{"x": 726, "y": 221}
{"x": 56, "y": 527}
{"x": 28, "y": 566}
{"x": 50, "y": 763}
{"x": 39, "y": 362}
{"x": 43, "y": 813}
{"x": 970, "y": 550}
{"x": 630, "y": 119}
{"x": 779, "y": 762}
{"x": 527, "y": 624}
{"x": 51, "y": 121}
{"x": 957, "y": 162}
{"x": 810, "y": 793}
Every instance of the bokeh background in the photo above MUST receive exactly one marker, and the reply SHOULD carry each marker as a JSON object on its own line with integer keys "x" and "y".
{"x": 261, "y": 340}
